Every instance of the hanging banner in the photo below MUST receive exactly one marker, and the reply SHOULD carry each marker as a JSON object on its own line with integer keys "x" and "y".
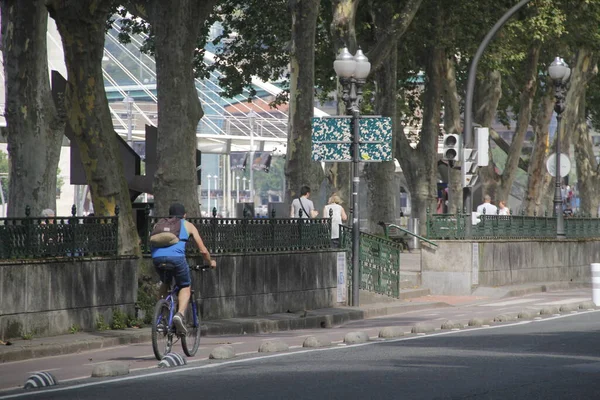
{"x": 262, "y": 161}
{"x": 238, "y": 160}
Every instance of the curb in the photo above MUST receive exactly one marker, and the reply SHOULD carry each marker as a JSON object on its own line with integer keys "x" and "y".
{"x": 324, "y": 318}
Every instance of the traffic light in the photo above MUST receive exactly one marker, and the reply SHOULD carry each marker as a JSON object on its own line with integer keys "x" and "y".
{"x": 451, "y": 147}
{"x": 469, "y": 168}
{"x": 482, "y": 145}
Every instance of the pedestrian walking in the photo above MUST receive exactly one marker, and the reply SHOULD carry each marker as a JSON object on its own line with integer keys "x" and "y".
{"x": 303, "y": 203}
{"x": 487, "y": 207}
{"x": 338, "y": 215}
{"x": 502, "y": 209}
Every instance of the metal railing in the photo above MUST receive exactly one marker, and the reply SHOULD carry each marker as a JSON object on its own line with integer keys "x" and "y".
{"x": 379, "y": 262}
{"x": 40, "y": 237}
{"x": 254, "y": 235}
{"x": 452, "y": 227}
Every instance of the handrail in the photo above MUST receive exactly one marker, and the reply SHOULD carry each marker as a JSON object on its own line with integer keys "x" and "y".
{"x": 405, "y": 231}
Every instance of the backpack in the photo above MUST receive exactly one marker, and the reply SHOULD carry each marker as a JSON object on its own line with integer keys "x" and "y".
{"x": 166, "y": 232}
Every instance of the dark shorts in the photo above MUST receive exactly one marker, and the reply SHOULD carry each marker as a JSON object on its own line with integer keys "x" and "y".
{"x": 181, "y": 272}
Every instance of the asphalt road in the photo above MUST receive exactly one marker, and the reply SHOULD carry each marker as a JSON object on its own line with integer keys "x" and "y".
{"x": 139, "y": 357}
{"x": 552, "y": 358}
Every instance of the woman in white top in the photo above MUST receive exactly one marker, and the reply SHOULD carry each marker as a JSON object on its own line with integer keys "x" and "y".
{"x": 337, "y": 217}
{"x": 502, "y": 209}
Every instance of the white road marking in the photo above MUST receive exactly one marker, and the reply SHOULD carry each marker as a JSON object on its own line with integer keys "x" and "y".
{"x": 564, "y": 301}
{"x": 146, "y": 356}
{"x": 279, "y": 355}
{"x": 246, "y": 352}
{"x": 509, "y": 302}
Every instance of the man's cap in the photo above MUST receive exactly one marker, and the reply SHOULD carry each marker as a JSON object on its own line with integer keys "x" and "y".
{"x": 176, "y": 210}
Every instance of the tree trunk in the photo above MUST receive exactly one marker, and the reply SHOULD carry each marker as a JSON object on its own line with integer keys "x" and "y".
{"x": 176, "y": 31}
{"x": 526, "y": 104}
{"x": 487, "y": 97}
{"x": 452, "y": 124}
{"x": 538, "y": 177}
{"x": 300, "y": 169}
{"x": 81, "y": 24}
{"x": 379, "y": 177}
{"x": 343, "y": 24}
{"x": 588, "y": 176}
{"x": 420, "y": 165}
{"x": 31, "y": 115}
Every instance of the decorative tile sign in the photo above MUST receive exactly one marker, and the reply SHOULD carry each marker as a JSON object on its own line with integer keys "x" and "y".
{"x": 332, "y": 139}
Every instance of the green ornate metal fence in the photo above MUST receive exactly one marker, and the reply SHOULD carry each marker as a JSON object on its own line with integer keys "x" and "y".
{"x": 255, "y": 235}
{"x": 452, "y": 227}
{"x": 379, "y": 261}
{"x": 35, "y": 237}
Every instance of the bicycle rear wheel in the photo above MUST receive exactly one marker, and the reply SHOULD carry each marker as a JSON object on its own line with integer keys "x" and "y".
{"x": 191, "y": 341}
{"x": 162, "y": 337}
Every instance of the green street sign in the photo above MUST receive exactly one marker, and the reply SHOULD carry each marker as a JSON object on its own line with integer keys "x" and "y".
{"x": 332, "y": 139}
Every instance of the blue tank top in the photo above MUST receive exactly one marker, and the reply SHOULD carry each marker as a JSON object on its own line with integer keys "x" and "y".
{"x": 176, "y": 250}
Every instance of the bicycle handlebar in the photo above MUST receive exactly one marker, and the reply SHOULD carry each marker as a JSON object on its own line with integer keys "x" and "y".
{"x": 203, "y": 267}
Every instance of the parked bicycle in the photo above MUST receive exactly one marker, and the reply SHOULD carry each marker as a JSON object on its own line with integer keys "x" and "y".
{"x": 164, "y": 332}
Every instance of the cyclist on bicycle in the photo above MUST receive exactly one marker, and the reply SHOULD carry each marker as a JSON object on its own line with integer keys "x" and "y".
{"x": 175, "y": 254}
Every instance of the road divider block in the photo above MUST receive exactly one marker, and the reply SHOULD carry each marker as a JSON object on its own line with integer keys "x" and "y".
{"x": 528, "y": 314}
{"x": 475, "y": 322}
{"x": 506, "y": 317}
{"x": 313, "y": 341}
{"x": 422, "y": 328}
{"x": 172, "y": 360}
{"x": 224, "y": 352}
{"x": 567, "y": 308}
{"x": 356, "y": 337}
{"x": 549, "y": 310}
{"x": 452, "y": 325}
{"x": 587, "y": 305}
{"x": 113, "y": 368}
{"x": 273, "y": 346}
{"x": 40, "y": 379}
{"x": 391, "y": 332}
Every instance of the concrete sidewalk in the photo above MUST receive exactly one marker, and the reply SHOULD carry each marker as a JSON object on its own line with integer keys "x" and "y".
{"x": 371, "y": 306}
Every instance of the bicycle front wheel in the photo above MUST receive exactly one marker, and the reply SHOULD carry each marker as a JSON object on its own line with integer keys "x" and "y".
{"x": 162, "y": 337}
{"x": 191, "y": 341}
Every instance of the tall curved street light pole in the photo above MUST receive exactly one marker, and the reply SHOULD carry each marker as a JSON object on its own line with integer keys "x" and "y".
{"x": 468, "y": 136}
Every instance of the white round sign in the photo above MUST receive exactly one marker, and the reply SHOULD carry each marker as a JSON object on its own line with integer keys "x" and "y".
{"x": 565, "y": 165}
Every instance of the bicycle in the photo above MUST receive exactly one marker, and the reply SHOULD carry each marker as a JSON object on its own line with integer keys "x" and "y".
{"x": 164, "y": 333}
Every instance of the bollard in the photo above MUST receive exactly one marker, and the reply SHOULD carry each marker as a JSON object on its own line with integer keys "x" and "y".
{"x": 596, "y": 283}
{"x": 416, "y": 243}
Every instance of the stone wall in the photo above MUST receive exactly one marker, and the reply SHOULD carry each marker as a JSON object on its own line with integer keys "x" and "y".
{"x": 47, "y": 298}
{"x": 251, "y": 285}
{"x": 456, "y": 267}
{"x": 42, "y": 298}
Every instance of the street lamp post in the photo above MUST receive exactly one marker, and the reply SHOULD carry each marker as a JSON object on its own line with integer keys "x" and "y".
{"x": 2, "y": 196}
{"x": 129, "y": 101}
{"x": 353, "y": 72}
{"x": 208, "y": 194}
{"x": 244, "y": 179}
{"x": 237, "y": 189}
{"x": 560, "y": 73}
{"x": 216, "y": 188}
{"x": 252, "y": 116}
